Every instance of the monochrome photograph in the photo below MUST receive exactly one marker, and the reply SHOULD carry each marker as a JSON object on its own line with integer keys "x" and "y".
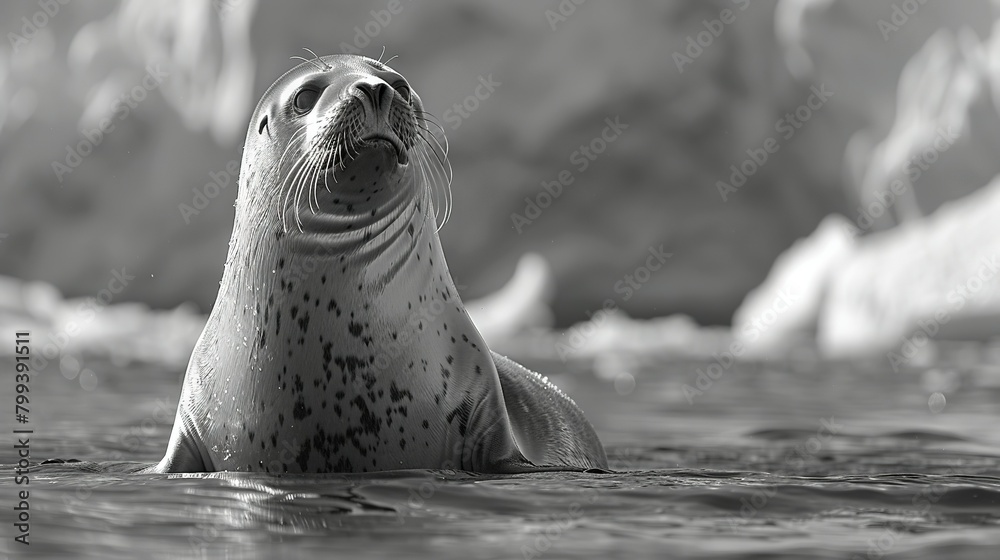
{"x": 565, "y": 279}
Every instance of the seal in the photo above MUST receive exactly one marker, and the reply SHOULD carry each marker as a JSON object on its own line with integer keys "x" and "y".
{"x": 338, "y": 342}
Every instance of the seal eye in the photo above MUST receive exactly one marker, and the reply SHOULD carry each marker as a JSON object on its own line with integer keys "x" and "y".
{"x": 305, "y": 100}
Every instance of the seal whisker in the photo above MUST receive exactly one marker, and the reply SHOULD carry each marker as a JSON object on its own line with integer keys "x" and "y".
{"x": 443, "y": 166}
{"x": 318, "y": 67}
{"x": 341, "y": 154}
{"x": 312, "y": 183}
{"x": 292, "y": 141}
{"x": 287, "y": 179}
{"x": 288, "y": 174}
{"x": 322, "y": 161}
{"x": 421, "y": 166}
{"x": 442, "y": 156}
{"x": 442, "y": 193}
{"x": 329, "y": 170}
{"x": 430, "y": 119}
{"x": 428, "y": 131}
{"x": 322, "y": 167}
{"x": 338, "y": 157}
{"x": 429, "y": 180}
{"x": 317, "y": 57}
{"x": 421, "y": 160}
{"x": 351, "y": 140}
{"x": 348, "y": 146}
{"x": 288, "y": 190}
{"x": 297, "y": 185}
{"x": 303, "y": 184}
{"x": 341, "y": 146}
{"x": 432, "y": 142}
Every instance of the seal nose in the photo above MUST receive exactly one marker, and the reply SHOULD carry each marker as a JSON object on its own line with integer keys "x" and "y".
{"x": 379, "y": 93}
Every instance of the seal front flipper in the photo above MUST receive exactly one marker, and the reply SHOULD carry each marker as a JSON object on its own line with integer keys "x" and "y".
{"x": 185, "y": 451}
{"x": 494, "y": 450}
{"x": 548, "y": 427}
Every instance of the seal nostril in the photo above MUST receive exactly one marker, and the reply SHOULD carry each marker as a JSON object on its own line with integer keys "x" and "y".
{"x": 384, "y": 94}
{"x": 369, "y": 91}
{"x": 380, "y": 94}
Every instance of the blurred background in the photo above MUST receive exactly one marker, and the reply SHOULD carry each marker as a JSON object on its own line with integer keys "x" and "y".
{"x": 759, "y": 179}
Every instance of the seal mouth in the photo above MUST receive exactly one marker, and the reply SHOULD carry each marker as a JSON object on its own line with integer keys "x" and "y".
{"x": 372, "y": 140}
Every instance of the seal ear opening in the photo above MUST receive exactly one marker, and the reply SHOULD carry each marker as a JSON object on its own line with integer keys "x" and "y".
{"x": 263, "y": 125}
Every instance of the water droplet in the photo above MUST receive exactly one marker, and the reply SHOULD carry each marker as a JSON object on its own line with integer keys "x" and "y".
{"x": 69, "y": 366}
{"x": 936, "y": 402}
{"x": 624, "y": 384}
{"x": 88, "y": 380}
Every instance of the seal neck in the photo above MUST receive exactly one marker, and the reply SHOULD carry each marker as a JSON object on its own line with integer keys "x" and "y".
{"x": 358, "y": 249}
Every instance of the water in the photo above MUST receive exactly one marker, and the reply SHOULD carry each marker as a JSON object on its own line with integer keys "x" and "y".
{"x": 782, "y": 460}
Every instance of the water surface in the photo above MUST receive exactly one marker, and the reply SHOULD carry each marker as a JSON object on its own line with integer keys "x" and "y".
{"x": 771, "y": 460}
